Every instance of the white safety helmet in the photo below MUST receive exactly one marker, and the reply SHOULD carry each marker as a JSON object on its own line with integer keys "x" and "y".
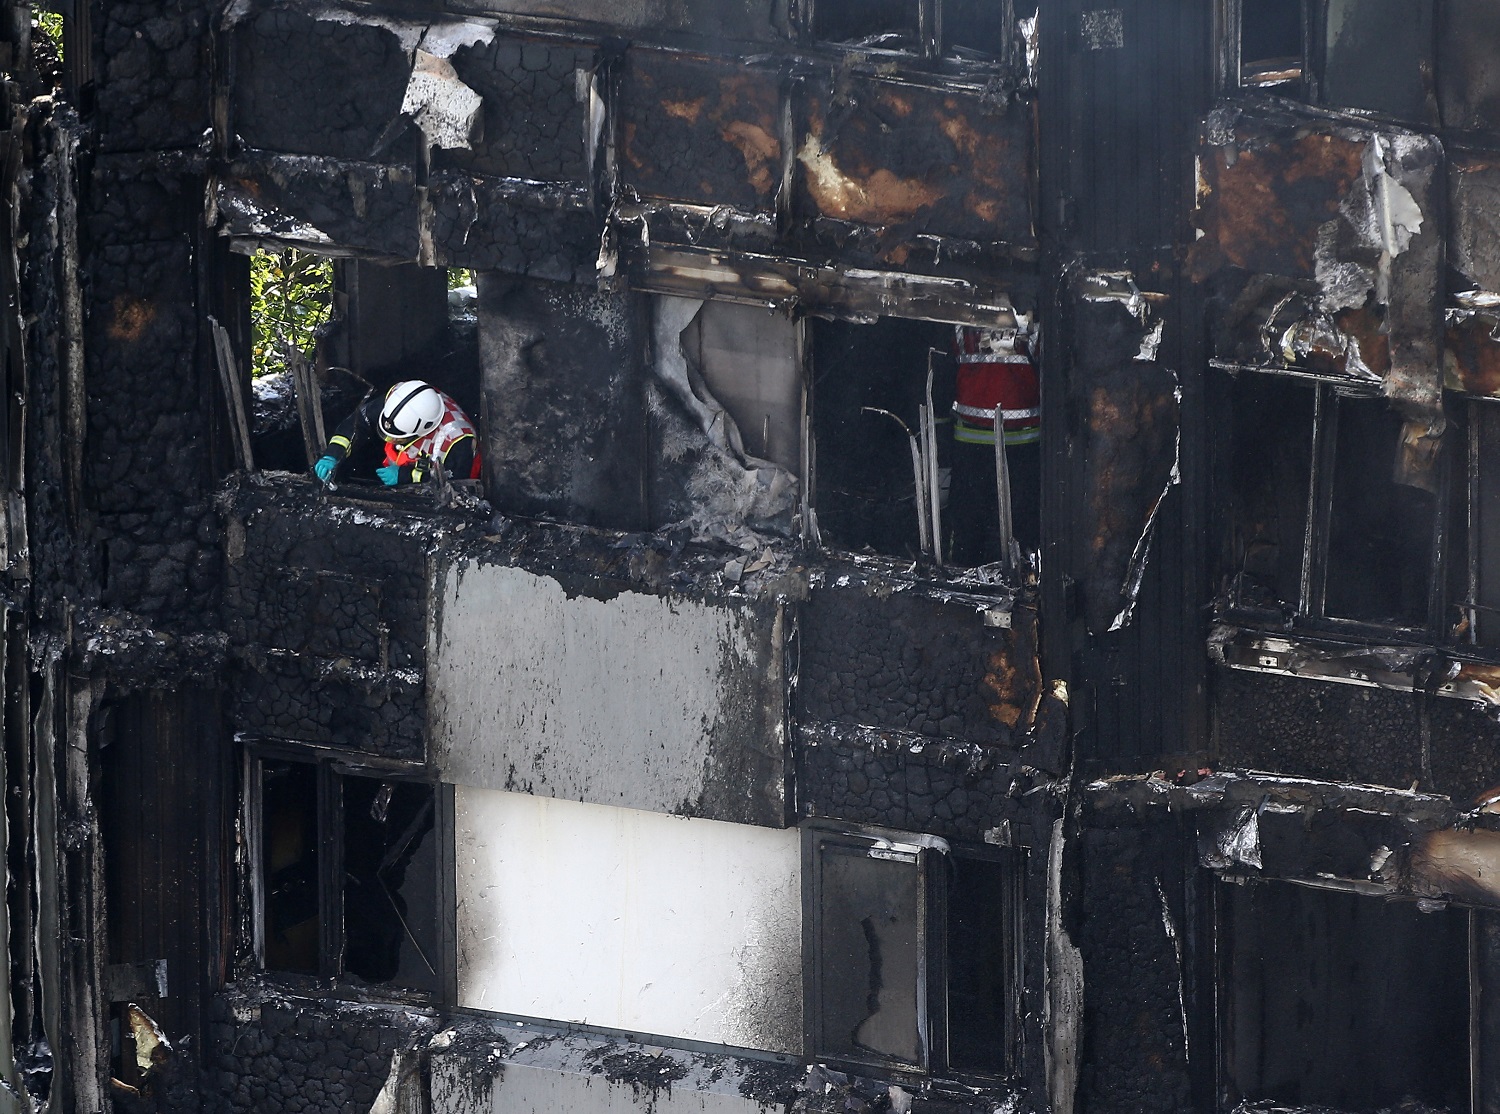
{"x": 412, "y": 409}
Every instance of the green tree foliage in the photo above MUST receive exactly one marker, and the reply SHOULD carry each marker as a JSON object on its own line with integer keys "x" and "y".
{"x": 291, "y": 294}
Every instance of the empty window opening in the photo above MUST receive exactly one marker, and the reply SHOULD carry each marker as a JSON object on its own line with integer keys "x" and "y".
{"x": 915, "y": 954}
{"x": 869, "y": 385}
{"x": 1380, "y": 542}
{"x": 984, "y": 935}
{"x": 291, "y": 299}
{"x": 1346, "y": 1001}
{"x": 47, "y": 46}
{"x": 892, "y": 24}
{"x": 747, "y": 358}
{"x": 1270, "y": 42}
{"x": 981, "y": 29}
{"x": 906, "y": 469}
{"x": 348, "y": 875}
{"x": 390, "y": 880}
{"x": 1319, "y": 523}
{"x": 328, "y": 335}
{"x": 1269, "y": 462}
{"x": 727, "y": 402}
{"x": 1379, "y": 55}
{"x": 290, "y": 866}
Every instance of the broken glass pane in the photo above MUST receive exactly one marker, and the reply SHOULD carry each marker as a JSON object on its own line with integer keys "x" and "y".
{"x": 390, "y": 883}
{"x": 870, "y": 963}
{"x": 289, "y": 859}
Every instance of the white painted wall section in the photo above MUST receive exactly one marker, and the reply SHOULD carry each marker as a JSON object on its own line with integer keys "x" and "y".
{"x": 629, "y": 920}
{"x": 645, "y": 701}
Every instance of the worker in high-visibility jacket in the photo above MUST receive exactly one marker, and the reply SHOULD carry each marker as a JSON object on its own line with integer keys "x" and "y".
{"x": 994, "y": 371}
{"x": 421, "y": 427}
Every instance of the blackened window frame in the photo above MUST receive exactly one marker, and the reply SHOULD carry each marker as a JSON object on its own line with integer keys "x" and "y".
{"x": 1216, "y": 909}
{"x": 333, "y": 767}
{"x": 933, "y": 859}
{"x": 1308, "y": 613}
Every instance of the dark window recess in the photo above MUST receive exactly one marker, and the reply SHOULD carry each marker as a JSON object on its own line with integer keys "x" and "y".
{"x": 348, "y": 875}
{"x": 1270, "y": 41}
{"x": 1318, "y": 524}
{"x": 865, "y": 489}
{"x": 1346, "y": 1001}
{"x": 915, "y": 955}
{"x": 977, "y": 28}
{"x": 1269, "y": 458}
{"x": 289, "y": 864}
{"x": 390, "y": 880}
{"x": 1380, "y": 542}
{"x": 984, "y": 964}
{"x": 1378, "y": 55}
{"x": 894, "y": 24}
{"x": 1483, "y": 566}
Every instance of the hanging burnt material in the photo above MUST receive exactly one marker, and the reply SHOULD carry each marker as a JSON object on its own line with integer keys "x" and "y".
{"x": 1323, "y": 242}
{"x": 1131, "y": 405}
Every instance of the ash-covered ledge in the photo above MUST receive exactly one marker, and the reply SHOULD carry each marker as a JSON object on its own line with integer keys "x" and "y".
{"x": 1438, "y": 671}
{"x": 1361, "y": 839}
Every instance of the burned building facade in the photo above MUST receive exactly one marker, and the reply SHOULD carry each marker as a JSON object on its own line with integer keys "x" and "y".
{"x": 688, "y": 760}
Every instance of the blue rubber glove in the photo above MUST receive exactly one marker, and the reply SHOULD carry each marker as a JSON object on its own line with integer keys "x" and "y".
{"x": 390, "y": 475}
{"x": 325, "y": 467}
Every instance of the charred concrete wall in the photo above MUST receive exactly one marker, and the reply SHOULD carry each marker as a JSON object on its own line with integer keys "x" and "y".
{"x": 327, "y": 610}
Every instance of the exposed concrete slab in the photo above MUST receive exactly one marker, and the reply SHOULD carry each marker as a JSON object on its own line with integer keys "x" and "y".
{"x": 644, "y": 701}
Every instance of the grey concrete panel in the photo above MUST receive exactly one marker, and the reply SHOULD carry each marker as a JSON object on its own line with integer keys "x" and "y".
{"x": 654, "y": 702}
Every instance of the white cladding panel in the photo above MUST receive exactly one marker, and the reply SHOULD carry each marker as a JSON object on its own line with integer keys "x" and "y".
{"x": 645, "y": 701}
{"x": 629, "y": 920}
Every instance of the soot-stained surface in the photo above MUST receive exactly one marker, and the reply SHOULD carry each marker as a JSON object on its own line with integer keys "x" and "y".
{"x": 310, "y": 86}
{"x": 155, "y": 66}
{"x": 1135, "y": 1055}
{"x": 532, "y": 122}
{"x": 948, "y": 163}
{"x": 147, "y": 459}
{"x": 274, "y": 1054}
{"x": 1352, "y": 733}
{"x": 913, "y": 784}
{"x": 695, "y": 132}
{"x": 906, "y": 662}
{"x": 326, "y": 607}
{"x": 486, "y": 225}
